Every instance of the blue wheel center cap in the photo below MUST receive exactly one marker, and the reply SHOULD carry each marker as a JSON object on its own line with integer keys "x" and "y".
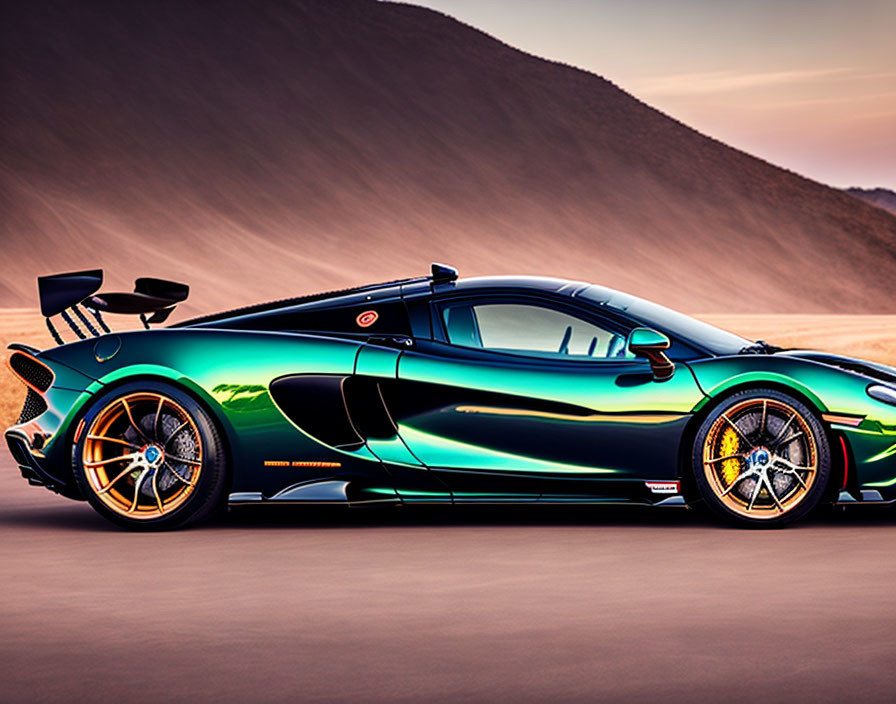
{"x": 760, "y": 458}
{"x": 152, "y": 454}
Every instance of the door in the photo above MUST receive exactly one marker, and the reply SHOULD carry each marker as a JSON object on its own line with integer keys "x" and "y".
{"x": 526, "y": 397}
{"x": 375, "y": 369}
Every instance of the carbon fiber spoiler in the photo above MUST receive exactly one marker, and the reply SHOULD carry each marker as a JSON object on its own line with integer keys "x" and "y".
{"x": 76, "y": 291}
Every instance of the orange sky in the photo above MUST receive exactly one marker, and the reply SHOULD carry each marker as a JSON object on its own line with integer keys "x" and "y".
{"x": 809, "y": 85}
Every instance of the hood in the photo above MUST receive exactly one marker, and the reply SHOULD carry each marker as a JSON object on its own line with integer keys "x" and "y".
{"x": 873, "y": 370}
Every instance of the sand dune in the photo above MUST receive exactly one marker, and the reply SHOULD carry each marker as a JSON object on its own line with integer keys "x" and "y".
{"x": 264, "y": 150}
{"x": 870, "y": 337}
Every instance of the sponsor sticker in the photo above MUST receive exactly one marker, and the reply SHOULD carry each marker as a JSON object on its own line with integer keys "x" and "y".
{"x": 664, "y": 487}
{"x": 367, "y": 318}
{"x": 300, "y": 463}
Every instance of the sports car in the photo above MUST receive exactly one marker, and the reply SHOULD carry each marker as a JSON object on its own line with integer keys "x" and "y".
{"x": 439, "y": 390}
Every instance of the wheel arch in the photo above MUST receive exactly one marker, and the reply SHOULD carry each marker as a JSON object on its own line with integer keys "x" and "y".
{"x": 839, "y": 461}
{"x": 164, "y": 375}
{"x": 763, "y": 380}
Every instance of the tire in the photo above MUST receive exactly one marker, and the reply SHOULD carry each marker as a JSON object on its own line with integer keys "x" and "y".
{"x": 761, "y": 459}
{"x": 173, "y": 469}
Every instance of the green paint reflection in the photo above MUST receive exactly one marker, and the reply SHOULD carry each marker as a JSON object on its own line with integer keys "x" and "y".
{"x": 242, "y": 398}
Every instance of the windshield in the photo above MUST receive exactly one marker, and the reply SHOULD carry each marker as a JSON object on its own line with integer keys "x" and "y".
{"x": 666, "y": 320}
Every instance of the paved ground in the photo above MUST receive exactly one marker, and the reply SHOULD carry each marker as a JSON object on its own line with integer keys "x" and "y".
{"x": 484, "y": 605}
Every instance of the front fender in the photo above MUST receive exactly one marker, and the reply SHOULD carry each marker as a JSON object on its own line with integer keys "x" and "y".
{"x": 840, "y": 392}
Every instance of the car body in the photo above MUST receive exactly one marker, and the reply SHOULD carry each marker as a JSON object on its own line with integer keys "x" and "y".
{"x": 439, "y": 390}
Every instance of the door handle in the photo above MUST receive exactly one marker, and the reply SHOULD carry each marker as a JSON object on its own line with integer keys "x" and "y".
{"x": 397, "y": 341}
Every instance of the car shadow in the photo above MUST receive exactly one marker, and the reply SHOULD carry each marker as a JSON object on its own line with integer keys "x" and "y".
{"x": 80, "y": 517}
{"x": 473, "y": 516}
{"x": 422, "y": 516}
{"x": 67, "y": 516}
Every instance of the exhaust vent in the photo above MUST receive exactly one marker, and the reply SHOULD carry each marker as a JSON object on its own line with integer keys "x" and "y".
{"x": 35, "y": 374}
{"x": 34, "y": 406}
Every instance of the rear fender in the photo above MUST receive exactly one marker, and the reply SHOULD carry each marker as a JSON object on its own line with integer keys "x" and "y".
{"x": 157, "y": 372}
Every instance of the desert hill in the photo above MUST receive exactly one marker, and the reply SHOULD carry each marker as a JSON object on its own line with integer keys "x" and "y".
{"x": 258, "y": 150}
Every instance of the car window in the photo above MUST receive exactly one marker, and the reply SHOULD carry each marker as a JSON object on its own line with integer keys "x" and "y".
{"x": 531, "y": 329}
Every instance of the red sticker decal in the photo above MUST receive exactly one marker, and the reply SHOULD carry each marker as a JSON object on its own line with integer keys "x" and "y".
{"x": 367, "y": 318}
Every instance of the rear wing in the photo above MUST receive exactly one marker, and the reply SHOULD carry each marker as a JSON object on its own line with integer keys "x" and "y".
{"x": 75, "y": 292}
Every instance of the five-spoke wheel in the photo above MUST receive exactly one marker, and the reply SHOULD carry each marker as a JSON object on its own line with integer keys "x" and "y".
{"x": 149, "y": 457}
{"x": 761, "y": 458}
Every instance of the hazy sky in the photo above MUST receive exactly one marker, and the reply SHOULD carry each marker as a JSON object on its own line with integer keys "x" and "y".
{"x": 809, "y": 85}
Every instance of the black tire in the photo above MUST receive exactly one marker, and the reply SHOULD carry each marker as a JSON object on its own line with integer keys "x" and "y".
{"x": 776, "y": 471}
{"x": 133, "y": 427}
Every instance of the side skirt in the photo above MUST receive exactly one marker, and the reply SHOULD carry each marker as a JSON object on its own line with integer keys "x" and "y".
{"x": 339, "y": 493}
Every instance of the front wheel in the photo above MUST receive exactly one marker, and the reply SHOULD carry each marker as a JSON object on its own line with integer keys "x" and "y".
{"x": 150, "y": 458}
{"x": 761, "y": 459}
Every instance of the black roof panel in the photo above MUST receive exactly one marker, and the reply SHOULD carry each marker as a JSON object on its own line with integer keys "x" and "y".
{"x": 400, "y": 287}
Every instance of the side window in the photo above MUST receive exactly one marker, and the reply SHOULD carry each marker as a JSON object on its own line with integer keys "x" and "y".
{"x": 529, "y": 329}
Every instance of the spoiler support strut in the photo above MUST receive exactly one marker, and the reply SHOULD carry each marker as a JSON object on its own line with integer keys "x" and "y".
{"x": 99, "y": 320}
{"x": 54, "y": 333}
{"x": 71, "y": 323}
{"x": 83, "y": 318}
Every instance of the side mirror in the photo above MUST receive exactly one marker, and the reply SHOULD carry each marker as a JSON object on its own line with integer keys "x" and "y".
{"x": 644, "y": 342}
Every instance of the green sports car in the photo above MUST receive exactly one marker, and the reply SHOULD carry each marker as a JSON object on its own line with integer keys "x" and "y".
{"x": 439, "y": 390}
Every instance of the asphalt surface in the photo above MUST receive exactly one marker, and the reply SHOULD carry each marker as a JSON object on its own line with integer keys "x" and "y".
{"x": 483, "y": 605}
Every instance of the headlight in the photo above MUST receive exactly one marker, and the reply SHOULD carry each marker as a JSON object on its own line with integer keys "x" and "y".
{"x": 887, "y": 394}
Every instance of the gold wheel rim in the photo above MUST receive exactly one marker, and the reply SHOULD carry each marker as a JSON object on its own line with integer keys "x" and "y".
{"x": 761, "y": 458}
{"x": 142, "y": 455}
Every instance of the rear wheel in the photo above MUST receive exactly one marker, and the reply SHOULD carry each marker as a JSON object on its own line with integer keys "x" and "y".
{"x": 150, "y": 458}
{"x": 761, "y": 459}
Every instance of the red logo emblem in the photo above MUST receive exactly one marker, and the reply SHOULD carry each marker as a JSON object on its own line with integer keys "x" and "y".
{"x": 367, "y": 318}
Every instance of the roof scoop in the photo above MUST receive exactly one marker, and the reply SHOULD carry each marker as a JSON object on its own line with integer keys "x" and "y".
{"x": 442, "y": 273}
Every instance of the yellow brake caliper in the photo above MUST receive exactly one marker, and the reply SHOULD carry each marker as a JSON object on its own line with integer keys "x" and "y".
{"x": 729, "y": 446}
